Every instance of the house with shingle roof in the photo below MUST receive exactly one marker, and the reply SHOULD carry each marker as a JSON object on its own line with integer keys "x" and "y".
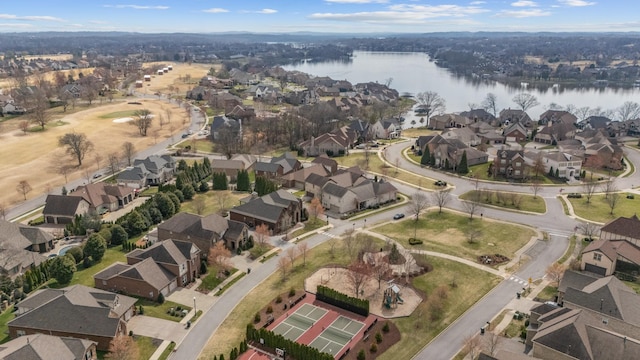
{"x": 329, "y": 164}
{"x": 19, "y": 247}
{"x": 48, "y": 347}
{"x": 204, "y": 231}
{"x": 385, "y": 129}
{"x": 515, "y": 133}
{"x": 145, "y": 279}
{"x": 622, "y": 228}
{"x": 229, "y": 167}
{"x": 279, "y": 210}
{"x": 75, "y": 311}
{"x": 180, "y": 258}
{"x": 337, "y": 142}
{"x": 62, "y": 209}
{"x": 103, "y": 197}
{"x": 603, "y": 257}
{"x": 297, "y": 179}
{"x": 153, "y": 170}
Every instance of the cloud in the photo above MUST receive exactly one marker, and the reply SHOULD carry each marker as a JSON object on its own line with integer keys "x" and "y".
{"x": 576, "y": 2}
{"x": 357, "y": 1}
{"x": 16, "y": 26}
{"x": 216, "y": 10}
{"x": 138, "y": 7}
{"x": 523, "y": 13}
{"x": 477, "y": 2}
{"x": 524, "y": 3}
{"x": 29, "y": 18}
{"x": 403, "y": 14}
{"x": 263, "y": 11}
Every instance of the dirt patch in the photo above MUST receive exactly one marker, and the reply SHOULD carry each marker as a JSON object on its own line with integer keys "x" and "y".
{"x": 494, "y": 259}
{"x": 34, "y": 156}
{"x": 388, "y": 338}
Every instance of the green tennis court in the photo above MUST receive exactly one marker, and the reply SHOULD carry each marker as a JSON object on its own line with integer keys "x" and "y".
{"x": 297, "y": 323}
{"x": 334, "y": 338}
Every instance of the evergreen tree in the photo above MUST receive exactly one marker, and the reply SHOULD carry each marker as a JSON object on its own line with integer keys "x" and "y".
{"x": 432, "y": 160}
{"x": 243, "y": 183}
{"x": 557, "y": 173}
{"x": 551, "y": 172}
{"x": 95, "y": 247}
{"x": 463, "y": 168}
{"x": 426, "y": 156}
{"x": 447, "y": 166}
{"x": 188, "y": 192}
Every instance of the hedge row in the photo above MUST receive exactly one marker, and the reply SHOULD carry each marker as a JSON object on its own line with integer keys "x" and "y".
{"x": 292, "y": 349}
{"x": 343, "y": 301}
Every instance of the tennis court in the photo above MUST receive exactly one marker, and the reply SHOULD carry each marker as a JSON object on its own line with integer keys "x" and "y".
{"x": 334, "y": 338}
{"x": 296, "y": 324}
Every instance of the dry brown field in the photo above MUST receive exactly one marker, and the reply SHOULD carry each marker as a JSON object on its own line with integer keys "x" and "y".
{"x": 176, "y": 77}
{"x": 54, "y": 57}
{"x": 9, "y": 83}
{"x": 33, "y": 156}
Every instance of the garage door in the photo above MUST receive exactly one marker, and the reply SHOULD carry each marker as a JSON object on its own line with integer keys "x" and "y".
{"x": 173, "y": 285}
{"x": 595, "y": 269}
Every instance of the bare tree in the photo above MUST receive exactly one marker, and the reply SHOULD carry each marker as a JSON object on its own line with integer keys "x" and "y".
{"x": 609, "y": 187}
{"x": 77, "y": 145}
{"x": 555, "y": 271}
{"x": 589, "y": 186}
{"x": 471, "y": 345}
{"x": 303, "y": 247}
{"x": 588, "y": 229}
{"x": 123, "y": 347}
{"x": 525, "y": 101}
{"x": 473, "y": 205}
{"x": 381, "y": 271}
{"x": 349, "y": 241}
{"x": 38, "y": 113}
{"x": 262, "y": 234}
{"x": 292, "y": 253}
{"x": 357, "y": 275}
{"x": 582, "y": 113}
{"x": 419, "y": 202}
{"x": 332, "y": 242}
{"x": 199, "y": 205}
{"x": 535, "y": 187}
{"x": 219, "y": 255}
{"x": 473, "y": 234}
{"x": 490, "y": 103}
{"x": 283, "y": 264}
{"x": 432, "y": 103}
{"x": 223, "y": 197}
{"x": 613, "y": 200}
{"x": 114, "y": 162}
{"x": 142, "y": 121}
{"x": 98, "y": 158}
{"x": 129, "y": 151}
{"x": 441, "y": 198}
{"x": 24, "y": 126}
{"x": 23, "y": 188}
{"x": 315, "y": 208}
{"x": 491, "y": 342}
{"x": 629, "y": 110}
{"x": 538, "y": 166}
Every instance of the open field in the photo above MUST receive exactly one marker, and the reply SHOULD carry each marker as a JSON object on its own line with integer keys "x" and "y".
{"x": 54, "y": 57}
{"x": 508, "y": 200}
{"x": 598, "y": 209}
{"x": 448, "y": 233}
{"x": 49, "y": 76}
{"x": 214, "y": 201}
{"x": 183, "y": 77}
{"x": 33, "y": 157}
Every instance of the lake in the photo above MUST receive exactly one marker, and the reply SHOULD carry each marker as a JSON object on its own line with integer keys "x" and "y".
{"x": 413, "y": 73}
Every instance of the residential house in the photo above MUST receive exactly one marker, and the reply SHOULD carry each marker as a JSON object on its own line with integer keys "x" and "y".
{"x": 279, "y": 210}
{"x": 335, "y": 143}
{"x": 297, "y": 179}
{"x": 48, "y": 347}
{"x": 242, "y": 113}
{"x": 448, "y": 152}
{"x": 134, "y": 177}
{"x": 268, "y": 170}
{"x": 76, "y": 311}
{"x": 62, "y": 209}
{"x": 248, "y": 160}
{"x": 361, "y": 128}
{"x": 385, "y": 129}
{"x": 329, "y": 164}
{"x": 441, "y": 122}
{"x": 465, "y": 135}
{"x": 515, "y": 133}
{"x": 557, "y": 116}
{"x": 180, "y": 258}
{"x": 222, "y": 126}
{"x": 480, "y": 115}
{"x": 366, "y": 194}
{"x": 153, "y": 170}
{"x": 19, "y": 247}
{"x": 229, "y": 167}
{"x": 103, "y": 197}
{"x": 510, "y": 116}
{"x": 596, "y": 122}
{"x": 278, "y": 166}
{"x": 622, "y": 228}
{"x": 204, "y": 231}
{"x": 509, "y": 163}
{"x": 555, "y": 132}
{"x": 567, "y": 166}
{"x": 604, "y": 257}
{"x": 303, "y": 97}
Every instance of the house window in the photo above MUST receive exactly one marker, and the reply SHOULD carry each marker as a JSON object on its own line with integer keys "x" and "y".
{"x": 503, "y": 161}
{"x": 517, "y": 172}
{"x": 21, "y": 333}
{"x": 597, "y": 256}
{"x": 518, "y": 163}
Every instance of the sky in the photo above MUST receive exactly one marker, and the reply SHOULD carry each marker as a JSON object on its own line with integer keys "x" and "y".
{"x": 326, "y": 16}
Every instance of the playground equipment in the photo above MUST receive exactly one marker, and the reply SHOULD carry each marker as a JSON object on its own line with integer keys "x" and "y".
{"x": 392, "y": 297}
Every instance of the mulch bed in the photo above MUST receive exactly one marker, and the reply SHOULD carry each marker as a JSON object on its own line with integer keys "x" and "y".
{"x": 492, "y": 259}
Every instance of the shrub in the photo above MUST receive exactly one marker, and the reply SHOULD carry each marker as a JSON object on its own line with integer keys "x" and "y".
{"x": 160, "y": 298}
{"x": 256, "y": 318}
{"x": 292, "y": 292}
{"x": 269, "y": 309}
{"x": 385, "y": 328}
{"x": 361, "y": 355}
{"x": 442, "y": 292}
{"x": 414, "y": 241}
{"x": 76, "y": 253}
{"x": 141, "y": 310}
{"x": 378, "y": 337}
{"x": 278, "y": 299}
{"x": 373, "y": 348}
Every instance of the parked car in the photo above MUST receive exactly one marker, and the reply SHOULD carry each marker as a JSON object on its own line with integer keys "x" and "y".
{"x": 574, "y": 196}
{"x": 360, "y": 146}
{"x": 630, "y": 196}
{"x": 95, "y": 176}
{"x": 185, "y": 135}
{"x": 398, "y": 216}
{"x": 441, "y": 183}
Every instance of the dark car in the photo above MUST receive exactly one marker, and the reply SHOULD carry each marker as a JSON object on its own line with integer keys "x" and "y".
{"x": 185, "y": 135}
{"x": 441, "y": 183}
{"x": 574, "y": 196}
{"x": 398, "y": 216}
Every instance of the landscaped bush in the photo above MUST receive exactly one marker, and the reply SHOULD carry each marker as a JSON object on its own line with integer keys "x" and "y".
{"x": 256, "y": 318}
{"x": 278, "y": 299}
{"x": 292, "y": 292}
{"x": 373, "y": 348}
{"x": 361, "y": 355}
{"x": 343, "y": 301}
{"x": 378, "y": 337}
{"x": 269, "y": 309}
{"x": 292, "y": 348}
{"x": 414, "y": 241}
{"x": 385, "y": 327}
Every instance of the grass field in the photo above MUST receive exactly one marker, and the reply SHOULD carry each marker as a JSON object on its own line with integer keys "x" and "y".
{"x": 5, "y": 317}
{"x": 85, "y": 276}
{"x": 416, "y": 132}
{"x": 214, "y": 201}
{"x": 598, "y": 209}
{"x": 508, "y": 201}
{"x": 153, "y": 309}
{"x": 448, "y": 233}
{"x": 146, "y": 346}
{"x": 181, "y": 78}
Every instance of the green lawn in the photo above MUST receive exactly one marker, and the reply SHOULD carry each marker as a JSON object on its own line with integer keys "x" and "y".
{"x": 214, "y": 201}
{"x": 153, "y": 309}
{"x": 150, "y": 191}
{"x": 165, "y": 354}
{"x": 598, "y": 210}
{"x": 548, "y": 293}
{"x": 634, "y": 285}
{"x": 508, "y": 200}
{"x": 309, "y": 225}
{"x": 447, "y": 233}
{"x": 202, "y": 145}
{"x": 85, "y": 276}
{"x": 418, "y": 329}
{"x": 5, "y": 317}
{"x": 211, "y": 281}
{"x": 146, "y": 346}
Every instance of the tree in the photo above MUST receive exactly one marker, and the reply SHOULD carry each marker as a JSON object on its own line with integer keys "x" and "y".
{"x": 491, "y": 342}
{"x": 62, "y": 269}
{"x": 23, "y": 188}
{"x": 303, "y": 247}
{"x": 589, "y": 186}
{"x": 629, "y": 110}
{"x": 535, "y": 187}
{"x": 555, "y": 271}
{"x": 349, "y": 241}
{"x": 463, "y": 168}
{"x": 164, "y": 203}
{"x": 142, "y": 121}
{"x": 262, "y": 234}
{"x": 538, "y": 166}
{"x": 588, "y": 229}
{"x": 441, "y": 198}
{"x": 473, "y": 205}
{"x": 123, "y": 348}
{"x": 77, "y": 145}
{"x": 525, "y": 101}
{"x": 471, "y": 345}
{"x": 431, "y": 102}
{"x": 95, "y": 247}
{"x": 199, "y": 205}
{"x": 118, "y": 235}
{"x": 129, "y": 151}
{"x": 612, "y": 201}
{"x": 24, "y": 126}
{"x": 315, "y": 208}
{"x": 419, "y": 202}
{"x": 243, "y": 182}
{"x": 219, "y": 255}
{"x": 282, "y": 266}
{"x": 292, "y": 253}
{"x": 38, "y": 112}
{"x": 357, "y": 274}
{"x": 490, "y": 103}
{"x": 114, "y": 163}
{"x": 381, "y": 271}
{"x": 426, "y": 156}
{"x": 473, "y": 234}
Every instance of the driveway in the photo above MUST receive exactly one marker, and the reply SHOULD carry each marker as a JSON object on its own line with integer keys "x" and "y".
{"x": 184, "y": 296}
{"x": 157, "y": 328}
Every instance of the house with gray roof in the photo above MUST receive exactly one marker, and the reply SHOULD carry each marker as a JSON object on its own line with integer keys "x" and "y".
{"x": 19, "y": 246}
{"x": 204, "y": 231}
{"x": 277, "y": 166}
{"x": 179, "y": 258}
{"x": 48, "y": 347}
{"x": 229, "y": 167}
{"x": 146, "y": 279}
{"x": 103, "y": 197}
{"x": 279, "y": 210}
{"x": 153, "y": 170}
{"x": 622, "y": 228}
{"x": 62, "y": 209}
{"x": 76, "y": 311}
{"x": 604, "y": 257}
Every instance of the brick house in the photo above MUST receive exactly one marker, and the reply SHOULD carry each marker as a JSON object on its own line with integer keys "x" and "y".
{"x": 509, "y": 163}
{"x": 62, "y": 209}
{"x": 48, "y": 347}
{"x": 279, "y": 210}
{"x": 180, "y": 258}
{"x": 103, "y": 197}
{"x": 204, "y": 231}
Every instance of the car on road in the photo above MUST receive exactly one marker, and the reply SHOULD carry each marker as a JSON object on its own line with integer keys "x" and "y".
{"x": 95, "y": 176}
{"x": 185, "y": 135}
{"x": 398, "y": 216}
{"x": 574, "y": 196}
{"x": 440, "y": 183}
